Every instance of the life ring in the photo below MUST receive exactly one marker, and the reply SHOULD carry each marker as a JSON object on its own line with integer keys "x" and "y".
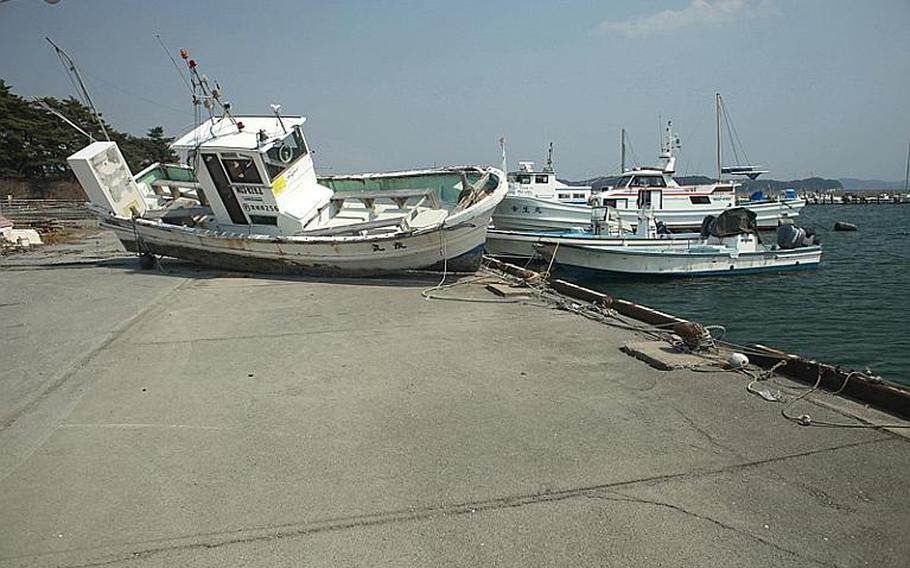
{"x": 285, "y": 154}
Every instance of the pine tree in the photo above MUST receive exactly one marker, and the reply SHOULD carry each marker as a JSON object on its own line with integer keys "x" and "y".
{"x": 34, "y": 144}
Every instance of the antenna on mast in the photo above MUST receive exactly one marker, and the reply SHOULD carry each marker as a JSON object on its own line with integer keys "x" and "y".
{"x": 549, "y": 167}
{"x": 276, "y": 109}
{"x": 174, "y": 61}
{"x": 71, "y": 68}
{"x": 208, "y": 97}
{"x": 62, "y": 117}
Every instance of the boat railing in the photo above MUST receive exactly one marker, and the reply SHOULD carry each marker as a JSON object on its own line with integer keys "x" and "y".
{"x": 399, "y": 197}
{"x": 354, "y": 228}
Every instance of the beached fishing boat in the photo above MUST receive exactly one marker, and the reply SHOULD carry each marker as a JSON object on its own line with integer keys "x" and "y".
{"x": 731, "y": 247}
{"x": 246, "y": 197}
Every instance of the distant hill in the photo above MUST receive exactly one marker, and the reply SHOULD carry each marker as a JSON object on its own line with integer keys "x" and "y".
{"x": 853, "y": 184}
{"x": 768, "y": 185}
{"x": 811, "y": 184}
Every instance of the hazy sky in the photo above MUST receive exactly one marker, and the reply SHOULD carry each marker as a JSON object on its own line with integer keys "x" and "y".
{"x": 814, "y": 87}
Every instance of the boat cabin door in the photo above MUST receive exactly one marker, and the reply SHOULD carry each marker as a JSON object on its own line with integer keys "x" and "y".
{"x": 650, "y": 199}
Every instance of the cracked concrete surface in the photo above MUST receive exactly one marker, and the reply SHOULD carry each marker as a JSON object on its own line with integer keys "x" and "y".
{"x": 190, "y": 418}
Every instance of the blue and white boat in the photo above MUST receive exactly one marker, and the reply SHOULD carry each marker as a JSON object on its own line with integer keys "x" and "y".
{"x": 604, "y": 227}
{"x": 732, "y": 246}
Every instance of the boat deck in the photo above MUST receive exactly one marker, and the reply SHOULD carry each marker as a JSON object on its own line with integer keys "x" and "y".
{"x": 185, "y": 417}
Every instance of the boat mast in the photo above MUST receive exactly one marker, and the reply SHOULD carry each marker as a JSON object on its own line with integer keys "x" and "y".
{"x": 549, "y": 167}
{"x": 622, "y": 154}
{"x": 717, "y": 104}
{"x": 502, "y": 149}
{"x": 71, "y": 68}
{"x": 907, "y": 176}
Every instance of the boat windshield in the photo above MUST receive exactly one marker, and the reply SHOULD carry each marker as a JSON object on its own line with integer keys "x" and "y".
{"x": 523, "y": 179}
{"x": 648, "y": 181}
{"x": 284, "y": 153}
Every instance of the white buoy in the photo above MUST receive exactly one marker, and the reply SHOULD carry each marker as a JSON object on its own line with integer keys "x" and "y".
{"x": 738, "y": 360}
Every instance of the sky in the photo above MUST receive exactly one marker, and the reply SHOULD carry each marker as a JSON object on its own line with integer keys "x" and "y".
{"x": 813, "y": 87}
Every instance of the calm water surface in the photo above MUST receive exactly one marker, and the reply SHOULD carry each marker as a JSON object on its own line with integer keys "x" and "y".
{"x": 853, "y": 310}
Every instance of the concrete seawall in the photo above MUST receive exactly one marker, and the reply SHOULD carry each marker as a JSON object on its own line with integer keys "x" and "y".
{"x": 185, "y": 417}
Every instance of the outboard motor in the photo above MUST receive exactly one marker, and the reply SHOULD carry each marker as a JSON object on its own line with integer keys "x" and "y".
{"x": 789, "y": 236}
{"x": 706, "y": 226}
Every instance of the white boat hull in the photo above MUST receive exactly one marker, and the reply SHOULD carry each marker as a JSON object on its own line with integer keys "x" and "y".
{"x": 671, "y": 261}
{"x": 523, "y": 244}
{"x": 767, "y": 214}
{"x": 455, "y": 244}
{"x": 522, "y": 213}
{"x": 460, "y": 246}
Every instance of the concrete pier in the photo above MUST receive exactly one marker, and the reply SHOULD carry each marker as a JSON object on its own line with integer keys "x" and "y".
{"x": 187, "y": 418}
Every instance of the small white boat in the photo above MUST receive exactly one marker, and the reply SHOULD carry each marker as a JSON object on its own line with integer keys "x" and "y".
{"x": 604, "y": 229}
{"x": 537, "y": 201}
{"x": 726, "y": 251}
{"x": 247, "y": 198}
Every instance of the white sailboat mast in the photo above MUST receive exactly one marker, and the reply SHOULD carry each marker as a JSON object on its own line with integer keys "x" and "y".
{"x": 907, "y": 176}
{"x": 717, "y": 125}
{"x": 622, "y": 153}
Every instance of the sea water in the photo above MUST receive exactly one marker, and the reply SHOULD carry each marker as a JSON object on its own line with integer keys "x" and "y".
{"x": 853, "y": 310}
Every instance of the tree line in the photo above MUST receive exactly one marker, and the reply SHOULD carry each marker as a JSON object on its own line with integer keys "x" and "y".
{"x": 34, "y": 144}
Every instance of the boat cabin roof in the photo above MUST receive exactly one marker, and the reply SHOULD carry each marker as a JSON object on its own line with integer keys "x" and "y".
{"x": 528, "y": 168}
{"x": 644, "y": 171}
{"x": 224, "y": 133}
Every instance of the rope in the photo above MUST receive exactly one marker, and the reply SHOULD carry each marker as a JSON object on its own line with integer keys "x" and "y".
{"x": 548, "y": 298}
{"x": 807, "y": 420}
{"x": 546, "y": 275}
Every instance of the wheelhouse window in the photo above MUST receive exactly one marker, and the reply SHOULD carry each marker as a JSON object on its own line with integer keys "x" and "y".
{"x": 523, "y": 179}
{"x": 284, "y": 153}
{"x": 648, "y": 181}
{"x": 241, "y": 169}
{"x": 541, "y": 179}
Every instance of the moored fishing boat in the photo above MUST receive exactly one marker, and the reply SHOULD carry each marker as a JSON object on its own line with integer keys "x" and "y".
{"x": 246, "y": 197}
{"x": 604, "y": 229}
{"x": 731, "y": 247}
{"x": 538, "y": 202}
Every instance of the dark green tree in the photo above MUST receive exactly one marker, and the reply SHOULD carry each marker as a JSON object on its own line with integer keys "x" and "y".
{"x": 34, "y": 144}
